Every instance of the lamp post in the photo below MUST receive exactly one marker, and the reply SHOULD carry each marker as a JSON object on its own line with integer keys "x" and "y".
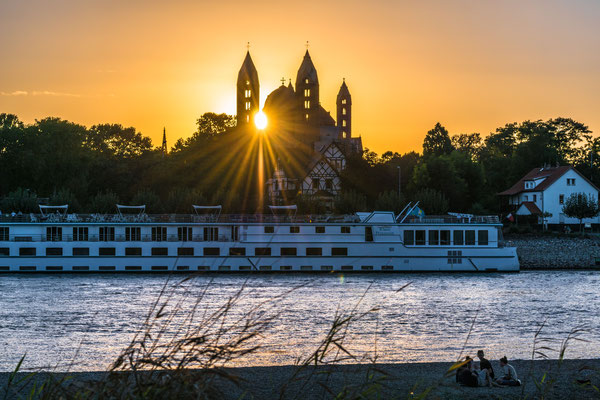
{"x": 399, "y": 181}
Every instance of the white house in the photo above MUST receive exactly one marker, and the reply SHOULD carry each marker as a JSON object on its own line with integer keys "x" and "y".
{"x": 546, "y": 190}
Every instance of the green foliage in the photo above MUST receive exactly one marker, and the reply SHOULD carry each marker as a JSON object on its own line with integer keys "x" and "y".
{"x": 149, "y": 199}
{"x": 65, "y": 196}
{"x": 310, "y": 205}
{"x": 580, "y": 206}
{"x": 180, "y": 200}
{"x": 437, "y": 141}
{"x": 23, "y": 200}
{"x": 104, "y": 203}
{"x": 349, "y": 202}
{"x": 432, "y": 201}
{"x": 390, "y": 201}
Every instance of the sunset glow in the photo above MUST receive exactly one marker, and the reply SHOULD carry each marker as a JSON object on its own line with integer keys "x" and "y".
{"x": 260, "y": 120}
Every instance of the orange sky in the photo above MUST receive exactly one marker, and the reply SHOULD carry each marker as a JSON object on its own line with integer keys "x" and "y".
{"x": 472, "y": 65}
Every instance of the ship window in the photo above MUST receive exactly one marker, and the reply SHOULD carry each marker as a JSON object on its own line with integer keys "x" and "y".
{"x": 482, "y": 238}
{"x": 4, "y": 234}
{"x": 409, "y": 238}
{"x": 420, "y": 238}
{"x": 470, "y": 238}
{"x": 81, "y": 251}
{"x": 54, "y": 268}
{"x": 54, "y": 251}
{"x": 366, "y": 267}
{"x": 203, "y": 268}
{"x": 262, "y": 251}
{"x": 285, "y": 268}
{"x": 160, "y": 268}
{"x": 237, "y": 251}
{"x": 458, "y": 238}
{"x": 319, "y": 229}
{"x": 27, "y": 251}
{"x": 133, "y": 251}
{"x": 445, "y": 238}
{"x": 53, "y": 233}
{"x": 211, "y": 234}
{"x": 133, "y": 268}
{"x": 184, "y": 233}
{"x": 4, "y": 252}
{"x": 106, "y": 251}
{"x": 183, "y": 268}
{"x": 314, "y": 251}
{"x": 368, "y": 234}
{"x": 269, "y": 229}
{"x": 265, "y": 268}
{"x": 244, "y": 268}
{"x": 188, "y": 251}
{"x": 81, "y": 268}
{"x": 107, "y": 234}
{"x": 159, "y": 233}
{"x": 347, "y": 267}
{"x": 434, "y": 238}
{"x": 106, "y": 268}
{"x": 133, "y": 234}
{"x": 27, "y": 268}
{"x": 326, "y": 267}
{"x": 387, "y": 267}
{"x": 306, "y": 268}
{"x": 160, "y": 251}
{"x": 294, "y": 229}
{"x": 339, "y": 251}
{"x": 80, "y": 234}
{"x": 288, "y": 251}
{"x": 224, "y": 268}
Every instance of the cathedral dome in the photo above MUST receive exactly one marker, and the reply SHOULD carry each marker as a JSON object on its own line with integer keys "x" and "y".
{"x": 283, "y": 96}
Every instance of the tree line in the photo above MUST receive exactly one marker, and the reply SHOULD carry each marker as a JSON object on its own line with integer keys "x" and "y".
{"x": 93, "y": 168}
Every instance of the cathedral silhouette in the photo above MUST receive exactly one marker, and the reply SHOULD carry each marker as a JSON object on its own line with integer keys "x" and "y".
{"x": 298, "y": 124}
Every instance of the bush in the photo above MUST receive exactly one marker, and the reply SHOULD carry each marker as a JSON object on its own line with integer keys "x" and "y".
{"x": 432, "y": 201}
{"x": 22, "y": 200}
{"x": 350, "y": 202}
{"x": 104, "y": 203}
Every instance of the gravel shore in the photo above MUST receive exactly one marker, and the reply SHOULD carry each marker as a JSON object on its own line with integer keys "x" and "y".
{"x": 398, "y": 381}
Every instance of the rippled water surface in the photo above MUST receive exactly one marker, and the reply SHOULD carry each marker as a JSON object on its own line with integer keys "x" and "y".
{"x": 89, "y": 319}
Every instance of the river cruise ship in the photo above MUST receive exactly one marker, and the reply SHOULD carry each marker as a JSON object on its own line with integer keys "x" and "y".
{"x": 55, "y": 241}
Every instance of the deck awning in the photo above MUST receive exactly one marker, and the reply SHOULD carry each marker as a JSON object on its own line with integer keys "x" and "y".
{"x": 284, "y": 210}
{"x": 140, "y": 209}
{"x": 62, "y": 210}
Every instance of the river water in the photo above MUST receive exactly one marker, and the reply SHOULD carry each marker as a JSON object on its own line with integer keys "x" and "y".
{"x": 82, "y": 322}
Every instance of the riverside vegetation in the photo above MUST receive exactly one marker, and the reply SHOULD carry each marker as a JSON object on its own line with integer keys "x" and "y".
{"x": 186, "y": 351}
{"x": 93, "y": 168}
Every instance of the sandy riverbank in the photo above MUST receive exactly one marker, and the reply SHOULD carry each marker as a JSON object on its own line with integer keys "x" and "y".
{"x": 390, "y": 380}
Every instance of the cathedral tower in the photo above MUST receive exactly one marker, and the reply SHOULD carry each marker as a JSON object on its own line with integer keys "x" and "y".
{"x": 307, "y": 89}
{"x": 248, "y": 100}
{"x": 344, "y": 112}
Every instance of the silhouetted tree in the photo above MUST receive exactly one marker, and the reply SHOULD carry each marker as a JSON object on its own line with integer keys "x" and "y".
{"x": 437, "y": 141}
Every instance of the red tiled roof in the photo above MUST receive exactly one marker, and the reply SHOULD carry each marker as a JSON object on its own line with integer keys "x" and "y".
{"x": 531, "y": 207}
{"x": 551, "y": 174}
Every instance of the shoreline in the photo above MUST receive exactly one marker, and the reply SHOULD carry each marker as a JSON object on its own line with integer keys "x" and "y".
{"x": 391, "y": 380}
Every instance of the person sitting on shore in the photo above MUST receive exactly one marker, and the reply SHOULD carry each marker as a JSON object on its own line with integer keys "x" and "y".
{"x": 485, "y": 363}
{"x": 510, "y": 375}
{"x": 465, "y": 376}
{"x": 483, "y": 375}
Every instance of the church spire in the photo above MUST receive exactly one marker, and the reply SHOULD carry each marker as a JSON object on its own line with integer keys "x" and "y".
{"x": 163, "y": 148}
{"x": 344, "y": 112}
{"x": 248, "y": 89}
{"x": 307, "y": 88}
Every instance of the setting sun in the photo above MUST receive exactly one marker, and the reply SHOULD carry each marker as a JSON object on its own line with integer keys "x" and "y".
{"x": 260, "y": 120}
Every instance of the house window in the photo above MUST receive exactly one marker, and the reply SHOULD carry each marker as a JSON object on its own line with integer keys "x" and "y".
{"x": 159, "y": 234}
{"x": 107, "y": 234}
{"x": 80, "y": 234}
{"x": 184, "y": 233}
{"x": 133, "y": 234}
{"x": 328, "y": 184}
{"x": 561, "y": 199}
{"x": 534, "y": 198}
{"x": 306, "y": 92}
{"x": 525, "y": 198}
{"x": 53, "y": 233}
{"x": 306, "y": 104}
{"x": 315, "y": 183}
{"x": 570, "y": 181}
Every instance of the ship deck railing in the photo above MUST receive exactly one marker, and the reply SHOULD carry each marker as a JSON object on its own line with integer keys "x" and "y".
{"x": 229, "y": 218}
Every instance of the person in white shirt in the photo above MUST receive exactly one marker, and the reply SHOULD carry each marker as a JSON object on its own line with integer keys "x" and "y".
{"x": 509, "y": 377}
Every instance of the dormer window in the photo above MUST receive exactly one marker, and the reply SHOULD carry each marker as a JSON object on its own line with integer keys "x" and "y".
{"x": 529, "y": 185}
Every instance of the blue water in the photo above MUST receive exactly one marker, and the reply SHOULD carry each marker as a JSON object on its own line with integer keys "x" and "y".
{"x": 82, "y": 322}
